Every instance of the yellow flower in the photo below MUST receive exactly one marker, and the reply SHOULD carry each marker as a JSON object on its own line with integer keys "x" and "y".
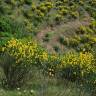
{"x": 43, "y": 56}
{"x": 3, "y": 49}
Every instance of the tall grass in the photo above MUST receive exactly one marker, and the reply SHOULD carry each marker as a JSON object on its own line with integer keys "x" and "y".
{"x": 40, "y": 85}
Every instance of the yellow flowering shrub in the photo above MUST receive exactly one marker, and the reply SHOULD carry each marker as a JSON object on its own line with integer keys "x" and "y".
{"x": 25, "y": 54}
{"x": 78, "y": 66}
{"x": 19, "y": 50}
{"x": 24, "y": 50}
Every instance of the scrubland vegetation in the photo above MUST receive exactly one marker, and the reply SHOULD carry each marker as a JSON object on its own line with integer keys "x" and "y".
{"x": 47, "y": 47}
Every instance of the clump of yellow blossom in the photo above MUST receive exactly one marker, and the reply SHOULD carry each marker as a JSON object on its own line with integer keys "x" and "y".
{"x": 24, "y": 51}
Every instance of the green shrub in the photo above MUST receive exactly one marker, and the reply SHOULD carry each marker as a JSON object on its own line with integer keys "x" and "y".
{"x": 28, "y": 2}
{"x": 82, "y": 30}
{"x": 73, "y": 42}
{"x": 15, "y": 74}
{"x": 47, "y": 37}
{"x": 56, "y": 48}
{"x": 8, "y": 25}
{"x": 85, "y": 39}
{"x": 62, "y": 40}
{"x": 5, "y": 24}
{"x": 58, "y": 19}
{"x": 9, "y": 28}
{"x": 12, "y": 2}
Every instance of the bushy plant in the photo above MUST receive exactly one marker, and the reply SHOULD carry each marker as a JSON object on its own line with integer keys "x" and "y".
{"x": 47, "y": 36}
{"x": 80, "y": 66}
{"x": 22, "y": 56}
{"x": 28, "y": 1}
{"x": 56, "y": 48}
{"x": 50, "y": 67}
{"x": 73, "y": 42}
{"x": 10, "y": 28}
{"x": 5, "y": 24}
{"x": 58, "y": 19}
{"x": 62, "y": 40}
{"x": 75, "y": 14}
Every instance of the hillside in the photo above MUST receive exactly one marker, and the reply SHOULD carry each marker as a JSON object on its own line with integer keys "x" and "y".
{"x": 57, "y": 37}
{"x": 54, "y": 21}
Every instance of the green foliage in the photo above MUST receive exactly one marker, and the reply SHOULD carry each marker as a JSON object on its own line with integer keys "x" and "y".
{"x": 73, "y": 42}
{"x": 47, "y": 37}
{"x": 25, "y": 18}
{"x": 62, "y": 40}
{"x": 72, "y": 66}
{"x": 41, "y": 9}
{"x": 28, "y": 1}
{"x": 5, "y": 25}
{"x": 39, "y": 85}
{"x": 14, "y": 74}
{"x": 10, "y": 28}
{"x": 56, "y": 48}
